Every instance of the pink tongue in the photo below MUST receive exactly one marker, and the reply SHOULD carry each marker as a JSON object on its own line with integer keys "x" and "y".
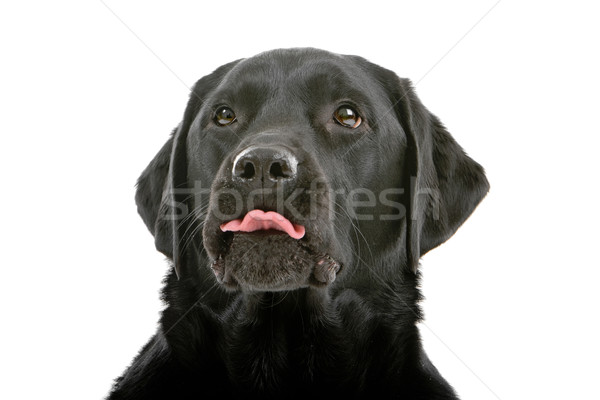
{"x": 258, "y": 220}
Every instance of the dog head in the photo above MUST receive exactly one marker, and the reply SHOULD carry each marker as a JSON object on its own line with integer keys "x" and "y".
{"x": 296, "y": 167}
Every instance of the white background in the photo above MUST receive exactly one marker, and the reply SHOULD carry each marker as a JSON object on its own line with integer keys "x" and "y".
{"x": 89, "y": 92}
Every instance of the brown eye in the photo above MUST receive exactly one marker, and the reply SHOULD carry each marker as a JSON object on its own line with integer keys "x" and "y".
{"x": 347, "y": 117}
{"x": 224, "y": 116}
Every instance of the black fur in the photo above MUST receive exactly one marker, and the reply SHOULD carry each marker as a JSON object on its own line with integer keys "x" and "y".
{"x": 332, "y": 314}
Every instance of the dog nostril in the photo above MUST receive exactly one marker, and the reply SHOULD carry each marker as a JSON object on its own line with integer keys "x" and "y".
{"x": 277, "y": 170}
{"x": 244, "y": 169}
{"x": 249, "y": 170}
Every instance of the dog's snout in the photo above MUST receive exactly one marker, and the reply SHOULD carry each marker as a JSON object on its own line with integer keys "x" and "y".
{"x": 270, "y": 163}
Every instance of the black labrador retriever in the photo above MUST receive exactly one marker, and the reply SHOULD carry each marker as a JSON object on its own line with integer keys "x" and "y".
{"x": 294, "y": 201}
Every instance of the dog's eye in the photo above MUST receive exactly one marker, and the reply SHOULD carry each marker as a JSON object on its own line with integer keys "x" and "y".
{"x": 347, "y": 117}
{"x": 224, "y": 116}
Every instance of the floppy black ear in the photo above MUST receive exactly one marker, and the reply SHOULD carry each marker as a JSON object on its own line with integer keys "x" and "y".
{"x": 445, "y": 184}
{"x": 162, "y": 189}
{"x": 151, "y": 186}
{"x": 161, "y": 207}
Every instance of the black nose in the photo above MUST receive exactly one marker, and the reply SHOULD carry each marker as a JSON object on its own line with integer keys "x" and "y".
{"x": 270, "y": 163}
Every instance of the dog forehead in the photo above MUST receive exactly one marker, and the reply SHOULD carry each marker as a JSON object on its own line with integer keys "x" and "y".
{"x": 290, "y": 62}
{"x": 301, "y": 72}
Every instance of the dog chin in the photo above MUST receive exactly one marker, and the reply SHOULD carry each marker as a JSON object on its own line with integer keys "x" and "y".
{"x": 271, "y": 261}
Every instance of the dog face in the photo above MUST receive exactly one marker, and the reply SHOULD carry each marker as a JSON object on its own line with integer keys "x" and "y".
{"x": 300, "y": 168}
{"x": 295, "y": 199}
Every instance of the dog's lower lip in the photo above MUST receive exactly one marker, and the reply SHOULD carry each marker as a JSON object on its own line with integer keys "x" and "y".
{"x": 326, "y": 270}
{"x": 217, "y": 268}
{"x": 228, "y": 237}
